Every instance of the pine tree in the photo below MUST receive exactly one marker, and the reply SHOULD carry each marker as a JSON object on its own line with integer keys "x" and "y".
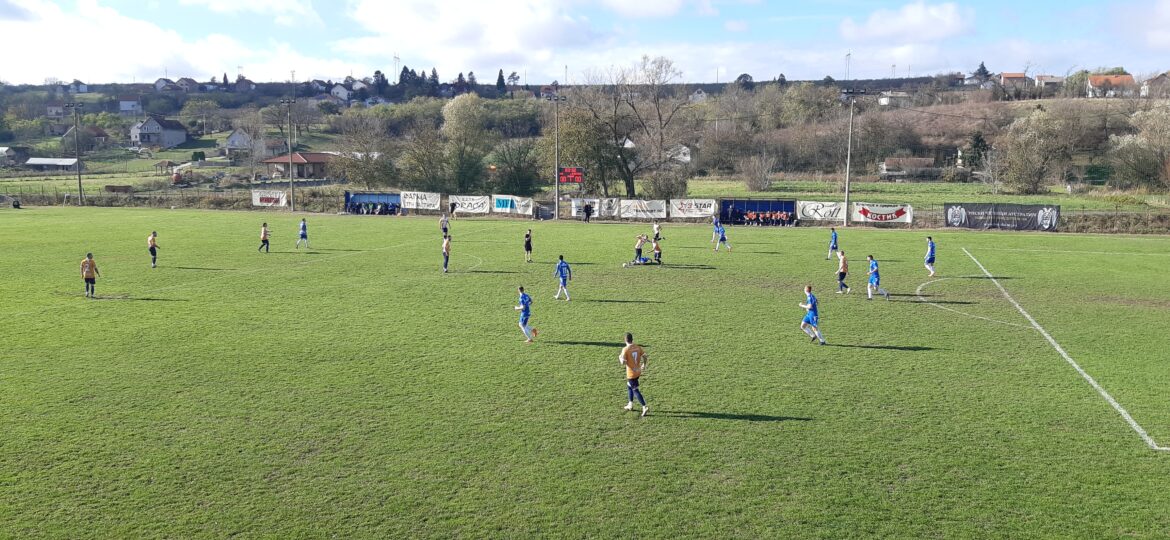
{"x": 981, "y": 72}
{"x": 225, "y": 79}
{"x": 460, "y": 84}
{"x": 501, "y": 86}
{"x": 472, "y": 85}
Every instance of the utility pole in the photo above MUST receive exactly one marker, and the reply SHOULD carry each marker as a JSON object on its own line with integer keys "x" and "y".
{"x": 717, "y": 103}
{"x": 556, "y": 98}
{"x": 848, "y": 58}
{"x": 292, "y": 201}
{"x": 76, "y": 107}
{"x": 294, "y": 98}
{"x": 850, "y": 93}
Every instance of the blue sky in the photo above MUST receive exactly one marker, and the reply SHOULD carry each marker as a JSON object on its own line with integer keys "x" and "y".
{"x": 140, "y": 40}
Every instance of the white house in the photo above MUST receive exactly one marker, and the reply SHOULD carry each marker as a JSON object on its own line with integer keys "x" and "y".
{"x": 129, "y": 106}
{"x": 698, "y": 96}
{"x": 894, "y": 99}
{"x": 340, "y": 92}
{"x": 78, "y": 87}
{"x": 1110, "y": 86}
{"x": 1049, "y": 81}
{"x": 162, "y": 83}
{"x": 358, "y": 85}
{"x": 240, "y": 142}
{"x": 158, "y": 131}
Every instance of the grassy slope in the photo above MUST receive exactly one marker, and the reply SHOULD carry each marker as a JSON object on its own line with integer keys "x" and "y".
{"x": 354, "y": 390}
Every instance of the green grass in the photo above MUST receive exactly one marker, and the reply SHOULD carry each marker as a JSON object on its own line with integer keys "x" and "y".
{"x": 920, "y": 194}
{"x": 352, "y": 390}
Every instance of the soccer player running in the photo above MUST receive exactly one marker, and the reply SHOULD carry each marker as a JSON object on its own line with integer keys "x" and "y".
{"x": 875, "y": 280}
{"x": 152, "y": 247}
{"x": 566, "y": 275}
{"x": 528, "y": 246}
{"x": 722, "y": 233}
{"x": 444, "y": 224}
{"x": 263, "y": 238}
{"x": 930, "y": 255}
{"x": 525, "y": 309}
{"x": 812, "y": 316}
{"x": 634, "y": 358}
{"x": 842, "y": 271}
{"x": 657, "y": 231}
{"x": 446, "y": 251}
{"x": 715, "y": 231}
{"x": 89, "y": 274}
{"x": 832, "y": 242}
{"x": 303, "y": 235}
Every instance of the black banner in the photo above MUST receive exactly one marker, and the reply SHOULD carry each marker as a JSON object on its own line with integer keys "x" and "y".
{"x": 1015, "y": 217}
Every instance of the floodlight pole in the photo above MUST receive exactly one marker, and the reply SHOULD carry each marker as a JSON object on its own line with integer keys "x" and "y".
{"x": 556, "y": 98}
{"x": 77, "y": 147}
{"x": 292, "y": 200}
{"x": 850, "y": 93}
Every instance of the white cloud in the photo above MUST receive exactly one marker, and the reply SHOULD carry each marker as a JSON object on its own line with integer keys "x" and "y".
{"x": 649, "y": 8}
{"x": 736, "y": 26}
{"x": 918, "y": 22}
{"x": 284, "y": 12}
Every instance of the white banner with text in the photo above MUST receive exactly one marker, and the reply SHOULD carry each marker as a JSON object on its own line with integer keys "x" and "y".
{"x": 610, "y": 207}
{"x": 639, "y": 209}
{"x": 420, "y": 200}
{"x": 820, "y": 211}
{"x": 882, "y": 213}
{"x": 268, "y": 197}
{"x": 692, "y": 208}
{"x": 579, "y": 206}
{"x": 471, "y": 204}
{"x": 507, "y": 204}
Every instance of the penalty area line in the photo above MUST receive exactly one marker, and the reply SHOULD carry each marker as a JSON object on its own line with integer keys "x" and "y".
{"x": 1088, "y": 378}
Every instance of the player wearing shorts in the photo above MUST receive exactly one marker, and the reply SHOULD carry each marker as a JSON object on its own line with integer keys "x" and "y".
{"x": 657, "y": 253}
{"x": 89, "y": 274}
{"x": 444, "y": 224}
{"x": 565, "y": 275}
{"x": 263, "y": 238}
{"x": 875, "y": 280}
{"x": 528, "y": 246}
{"x": 715, "y": 230}
{"x": 842, "y": 271}
{"x": 657, "y": 231}
{"x": 639, "y": 241}
{"x": 525, "y": 309}
{"x": 634, "y": 359}
{"x": 446, "y": 251}
{"x": 722, "y": 238}
{"x": 812, "y": 316}
{"x": 930, "y": 255}
{"x": 152, "y": 247}
{"x": 832, "y": 242}
{"x": 303, "y": 234}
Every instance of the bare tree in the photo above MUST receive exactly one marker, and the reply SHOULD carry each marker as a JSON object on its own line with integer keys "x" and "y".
{"x": 367, "y": 155}
{"x": 758, "y": 171}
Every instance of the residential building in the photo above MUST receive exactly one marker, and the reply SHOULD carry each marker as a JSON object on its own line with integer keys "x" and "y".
{"x": 358, "y": 85}
{"x": 698, "y": 96}
{"x": 340, "y": 92}
{"x": 52, "y": 164}
{"x": 129, "y": 106}
{"x": 91, "y": 137}
{"x": 161, "y": 83}
{"x": 1109, "y": 86}
{"x": 239, "y": 142}
{"x": 895, "y": 99}
{"x": 11, "y": 156}
{"x": 305, "y": 164}
{"x": 243, "y": 84}
{"x": 1014, "y": 80}
{"x": 78, "y": 87}
{"x": 188, "y": 84}
{"x": 55, "y": 111}
{"x": 1049, "y": 81}
{"x": 1156, "y": 87}
{"x": 158, "y": 131}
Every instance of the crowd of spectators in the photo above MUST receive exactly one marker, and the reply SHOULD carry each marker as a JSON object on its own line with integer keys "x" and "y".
{"x": 373, "y": 209}
{"x": 765, "y": 219}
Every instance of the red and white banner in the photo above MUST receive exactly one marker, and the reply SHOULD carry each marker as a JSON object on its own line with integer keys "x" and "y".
{"x": 268, "y": 197}
{"x": 882, "y": 213}
{"x": 471, "y": 204}
{"x": 420, "y": 200}
{"x": 639, "y": 209}
{"x": 692, "y": 208}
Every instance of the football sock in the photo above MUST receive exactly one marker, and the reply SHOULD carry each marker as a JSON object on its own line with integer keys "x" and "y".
{"x": 638, "y": 393}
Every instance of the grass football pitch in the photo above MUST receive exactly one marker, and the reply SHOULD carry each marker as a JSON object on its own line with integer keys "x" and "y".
{"x": 353, "y": 390}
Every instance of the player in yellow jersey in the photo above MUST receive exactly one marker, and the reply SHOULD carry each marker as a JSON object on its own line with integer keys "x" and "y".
{"x": 89, "y": 274}
{"x": 634, "y": 358}
{"x": 152, "y": 246}
{"x": 263, "y": 238}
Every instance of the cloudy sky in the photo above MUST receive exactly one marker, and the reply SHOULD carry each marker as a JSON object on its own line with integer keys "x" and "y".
{"x": 140, "y": 40}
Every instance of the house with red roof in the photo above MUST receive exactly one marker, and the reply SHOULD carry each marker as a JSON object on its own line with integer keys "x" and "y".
{"x": 304, "y": 164}
{"x": 1110, "y": 86}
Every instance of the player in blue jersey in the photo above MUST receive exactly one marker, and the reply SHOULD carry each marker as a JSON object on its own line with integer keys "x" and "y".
{"x": 930, "y": 255}
{"x": 525, "y": 309}
{"x": 875, "y": 280}
{"x": 722, "y": 234}
{"x": 715, "y": 229}
{"x": 812, "y": 316}
{"x": 304, "y": 234}
{"x": 832, "y": 242}
{"x": 566, "y": 275}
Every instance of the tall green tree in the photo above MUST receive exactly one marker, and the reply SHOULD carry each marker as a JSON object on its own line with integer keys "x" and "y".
{"x": 517, "y": 169}
{"x": 501, "y": 86}
{"x": 467, "y": 142}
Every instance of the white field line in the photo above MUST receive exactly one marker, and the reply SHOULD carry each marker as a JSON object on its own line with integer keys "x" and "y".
{"x": 918, "y": 293}
{"x": 1089, "y": 378}
{"x": 1077, "y": 251}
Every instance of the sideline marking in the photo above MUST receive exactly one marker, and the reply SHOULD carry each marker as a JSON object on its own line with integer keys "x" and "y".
{"x": 1082, "y": 252}
{"x": 918, "y": 293}
{"x": 1089, "y": 378}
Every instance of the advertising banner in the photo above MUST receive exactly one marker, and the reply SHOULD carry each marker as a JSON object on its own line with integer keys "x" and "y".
{"x": 579, "y": 206}
{"x": 882, "y": 213}
{"x": 507, "y": 204}
{"x": 268, "y": 197}
{"x": 1015, "y": 217}
{"x": 420, "y": 200}
{"x": 471, "y": 204}
{"x": 610, "y": 208}
{"x": 692, "y": 208}
{"x": 820, "y": 211}
{"x": 639, "y": 209}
